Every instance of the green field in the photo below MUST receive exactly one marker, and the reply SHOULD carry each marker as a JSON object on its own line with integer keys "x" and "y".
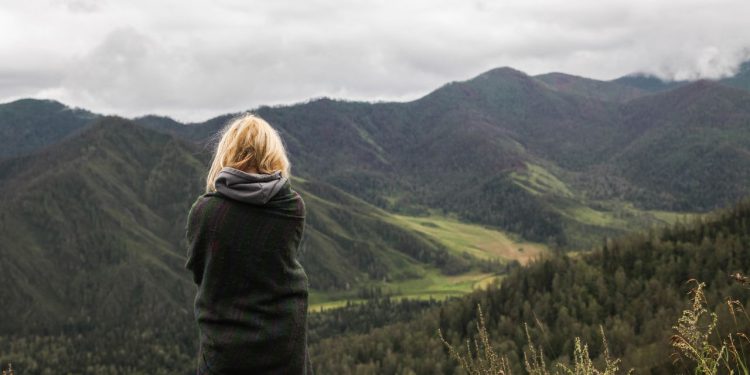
{"x": 477, "y": 240}
{"x": 433, "y": 285}
{"x": 459, "y": 237}
{"x": 586, "y": 220}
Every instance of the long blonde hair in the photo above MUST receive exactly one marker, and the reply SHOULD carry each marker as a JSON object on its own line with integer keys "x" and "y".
{"x": 248, "y": 142}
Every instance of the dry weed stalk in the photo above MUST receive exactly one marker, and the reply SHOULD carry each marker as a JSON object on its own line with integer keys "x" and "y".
{"x": 740, "y": 278}
{"x": 533, "y": 361}
{"x": 484, "y": 360}
{"x": 694, "y": 329}
{"x": 583, "y": 365}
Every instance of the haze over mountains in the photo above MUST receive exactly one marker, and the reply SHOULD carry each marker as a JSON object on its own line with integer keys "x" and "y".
{"x": 93, "y": 209}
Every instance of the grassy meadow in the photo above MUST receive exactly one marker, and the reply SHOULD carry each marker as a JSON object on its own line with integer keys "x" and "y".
{"x": 460, "y": 238}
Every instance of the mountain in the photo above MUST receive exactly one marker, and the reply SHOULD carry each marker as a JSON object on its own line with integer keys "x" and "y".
{"x": 117, "y": 194}
{"x": 447, "y": 148}
{"x": 634, "y": 287}
{"x": 91, "y": 254}
{"x": 647, "y": 82}
{"x": 741, "y": 79}
{"x": 93, "y": 244}
{"x": 502, "y": 149}
{"x": 190, "y": 132}
{"x": 90, "y": 222}
{"x": 29, "y": 124}
{"x": 689, "y": 148}
{"x": 555, "y": 158}
{"x": 602, "y": 90}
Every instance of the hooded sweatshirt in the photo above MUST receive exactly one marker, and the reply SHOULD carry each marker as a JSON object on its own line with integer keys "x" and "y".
{"x": 253, "y": 188}
{"x": 251, "y": 300}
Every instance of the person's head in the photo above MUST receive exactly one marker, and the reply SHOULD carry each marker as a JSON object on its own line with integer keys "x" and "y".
{"x": 248, "y": 143}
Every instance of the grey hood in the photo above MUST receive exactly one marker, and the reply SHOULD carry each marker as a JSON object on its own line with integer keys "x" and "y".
{"x": 254, "y": 188}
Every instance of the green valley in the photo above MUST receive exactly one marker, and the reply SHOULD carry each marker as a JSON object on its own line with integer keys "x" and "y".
{"x": 461, "y": 239}
{"x": 476, "y": 240}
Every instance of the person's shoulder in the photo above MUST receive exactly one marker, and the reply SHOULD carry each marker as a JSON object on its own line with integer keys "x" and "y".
{"x": 200, "y": 210}
{"x": 300, "y": 209}
{"x": 202, "y": 199}
{"x": 203, "y": 202}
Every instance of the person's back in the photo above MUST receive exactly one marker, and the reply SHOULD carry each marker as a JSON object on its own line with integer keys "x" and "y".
{"x": 251, "y": 303}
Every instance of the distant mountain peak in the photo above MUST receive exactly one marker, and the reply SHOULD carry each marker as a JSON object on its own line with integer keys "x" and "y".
{"x": 114, "y": 129}
{"x": 704, "y": 86}
{"x": 647, "y": 82}
{"x": 559, "y": 75}
{"x": 502, "y": 73}
{"x": 154, "y": 117}
{"x": 591, "y": 88}
{"x": 31, "y": 102}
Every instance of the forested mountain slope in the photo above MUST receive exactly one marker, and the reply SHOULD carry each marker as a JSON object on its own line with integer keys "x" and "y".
{"x": 687, "y": 149}
{"x": 602, "y": 90}
{"x": 634, "y": 287}
{"x": 28, "y": 124}
{"x": 93, "y": 224}
{"x": 93, "y": 232}
{"x": 555, "y": 158}
{"x": 117, "y": 195}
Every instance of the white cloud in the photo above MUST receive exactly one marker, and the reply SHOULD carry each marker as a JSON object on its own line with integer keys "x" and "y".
{"x": 83, "y": 6}
{"x": 196, "y": 59}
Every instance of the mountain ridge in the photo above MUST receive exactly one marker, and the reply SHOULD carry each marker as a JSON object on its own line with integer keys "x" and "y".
{"x": 405, "y": 157}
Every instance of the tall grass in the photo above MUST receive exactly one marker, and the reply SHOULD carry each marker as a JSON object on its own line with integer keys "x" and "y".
{"x": 696, "y": 340}
{"x": 483, "y": 360}
{"x": 698, "y": 343}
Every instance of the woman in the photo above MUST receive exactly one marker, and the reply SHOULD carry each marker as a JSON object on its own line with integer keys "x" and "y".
{"x": 243, "y": 236}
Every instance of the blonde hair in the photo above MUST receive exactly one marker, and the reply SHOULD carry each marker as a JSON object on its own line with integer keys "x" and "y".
{"x": 248, "y": 142}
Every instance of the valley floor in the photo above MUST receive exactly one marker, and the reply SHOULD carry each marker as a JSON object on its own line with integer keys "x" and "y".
{"x": 461, "y": 238}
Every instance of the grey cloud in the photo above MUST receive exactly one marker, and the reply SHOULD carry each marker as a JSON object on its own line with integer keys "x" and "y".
{"x": 25, "y": 82}
{"x": 81, "y": 6}
{"x": 196, "y": 59}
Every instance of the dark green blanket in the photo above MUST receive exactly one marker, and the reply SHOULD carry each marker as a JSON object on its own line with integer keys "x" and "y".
{"x": 251, "y": 304}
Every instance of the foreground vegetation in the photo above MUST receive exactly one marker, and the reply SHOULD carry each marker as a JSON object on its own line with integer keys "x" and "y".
{"x": 483, "y": 360}
{"x": 698, "y": 346}
{"x": 699, "y": 343}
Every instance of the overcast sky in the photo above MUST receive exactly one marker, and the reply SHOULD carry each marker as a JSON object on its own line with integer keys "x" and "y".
{"x": 196, "y": 59}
